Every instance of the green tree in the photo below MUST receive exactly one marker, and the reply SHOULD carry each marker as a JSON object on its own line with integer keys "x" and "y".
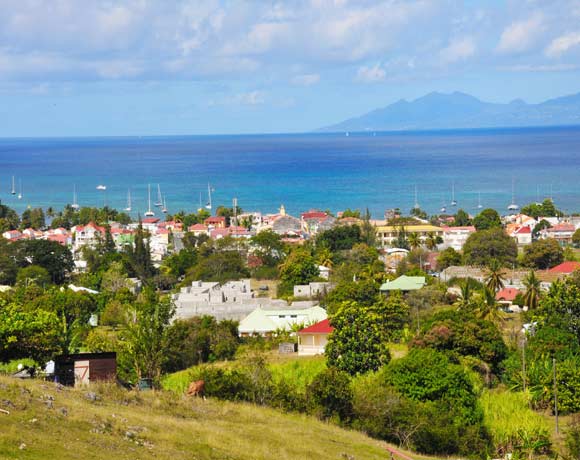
{"x": 140, "y": 255}
{"x": 402, "y": 240}
{"x": 495, "y": 276}
{"x": 146, "y": 335}
{"x": 219, "y": 266}
{"x": 461, "y": 219}
{"x": 483, "y": 246}
{"x": 576, "y": 238}
{"x": 298, "y": 268}
{"x": 33, "y": 218}
{"x": 543, "y": 254}
{"x": 533, "y": 291}
{"x": 414, "y": 240}
{"x": 432, "y": 241}
{"x": 358, "y": 343}
{"x": 340, "y": 237}
{"x": 487, "y": 219}
{"x": 544, "y": 209}
{"x": 543, "y": 224}
{"x": 368, "y": 230}
{"x": 33, "y": 274}
{"x": 50, "y": 255}
{"x": 331, "y": 394}
{"x": 28, "y": 333}
{"x": 9, "y": 219}
{"x": 487, "y": 307}
{"x": 447, "y": 258}
{"x": 268, "y": 247}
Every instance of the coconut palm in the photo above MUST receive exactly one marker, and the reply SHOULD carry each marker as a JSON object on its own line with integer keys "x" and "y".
{"x": 533, "y": 292}
{"x": 495, "y": 276}
{"x": 414, "y": 240}
{"x": 488, "y": 307}
{"x": 431, "y": 241}
{"x": 324, "y": 257}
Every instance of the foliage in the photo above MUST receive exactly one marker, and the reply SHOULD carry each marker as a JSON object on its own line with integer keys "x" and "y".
{"x": 576, "y": 238}
{"x": 562, "y": 304}
{"x": 33, "y": 274}
{"x": 365, "y": 292}
{"x": 331, "y": 394}
{"x": 573, "y": 438}
{"x": 544, "y": 209}
{"x": 9, "y": 219}
{"x": 147, "y": 337}
{"x": 447, "y": 258}
{"x": 33, "y": 218}
{"x": 543, "y": 224}
{"x": 483, "y": 246}
{"x": 140, "y": 255}
{"x": 268, "y": 247}
{"x": 298, "y": 268}
{"x": 219, "y": 266}
{"x": 533, "y": 293}
{"x": 351, "y": 213}
{"x": 543, "y": 254}
{"x": 428, "y": 375}
{"x": 199, "y": 340}
{"x": 495, "y": 276}
{"x": 487, "y": 219}
{"x": 461, "y": 334}
{"x": 340, "y": 237}
{"x": 11, "y": 367}
{"x": 461, "y": 219}
{"x": 70, "y": 217}
{"x": 50, "y": 255}
{"x": 418, "y": 212}
{"x": 28, "y": 333}
{"x": 358, "y": 341}
{"x": 513, "y": 426}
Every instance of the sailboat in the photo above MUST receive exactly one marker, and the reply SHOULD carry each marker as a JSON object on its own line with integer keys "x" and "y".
{"x": 164, "y": 210}
{"x": 513, "y": 206}
{"x": 20, "y": 192}
{"x": 149, "y": 212}
{"x": 208, "y": 206}
{"x": 13, "y": 191}
{"x": 416, "y": 206}
{"x": 443, "y": 209}
{"x": 453, "y": 201}
{"x": 74, "y": 205}
{"x": 159, "y": 201}
{"x": 128, "y": 208}
{"x": 479, "y": 206}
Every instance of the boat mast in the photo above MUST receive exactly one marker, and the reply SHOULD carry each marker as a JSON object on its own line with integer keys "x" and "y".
{"x": 416, "y": 201}
{"x": 13, "y": 191}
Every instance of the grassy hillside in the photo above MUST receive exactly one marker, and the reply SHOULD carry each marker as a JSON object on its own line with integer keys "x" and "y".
{"x": 50, "y": 422}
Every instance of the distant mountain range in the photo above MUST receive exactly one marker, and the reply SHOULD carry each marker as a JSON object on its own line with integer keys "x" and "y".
{"x": 460, "y": 110}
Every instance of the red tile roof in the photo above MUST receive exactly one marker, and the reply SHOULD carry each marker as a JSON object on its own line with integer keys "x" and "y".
{"x": 565, "y": 267}
{"x": 561, "y": 228}
{"x": 197, "y": 227}
{"x": 508, "y": 294}
{"x": 323, "y": 327}
{"x": 150, "y": 220}
{"x": 523, "y": 231}
{"x": 313, "y": 214}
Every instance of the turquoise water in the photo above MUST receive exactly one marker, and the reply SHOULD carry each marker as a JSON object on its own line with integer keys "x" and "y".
{"x": 302, "y": 171}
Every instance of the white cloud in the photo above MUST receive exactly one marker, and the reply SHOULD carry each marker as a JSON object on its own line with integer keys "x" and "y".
{"x": 306, "y": 80}
{"x": 520, "y": 36}
{"x": 562, "y": 44}
{"x": 458, "y": 50}
{"x": 372, "y": 74}
{"x": 250, "y": 99}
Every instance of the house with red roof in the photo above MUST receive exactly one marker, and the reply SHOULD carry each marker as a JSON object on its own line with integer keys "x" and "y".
{"x": 12, "y": 235}
{"x": 560, "y": 232}
{"x": 565, "y": 268}
{"x": 312, "y": 340}
{"x": 507, "y": 295}
{"x": 88, "y": 235}
{"x": 198, "y": 229}
{"x": 522, "y": 235}
{"x": 215, "y": 221}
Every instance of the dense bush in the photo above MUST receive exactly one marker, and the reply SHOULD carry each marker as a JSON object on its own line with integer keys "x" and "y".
{"x": 461, "y": 334}
{"x": 331, "y": 395}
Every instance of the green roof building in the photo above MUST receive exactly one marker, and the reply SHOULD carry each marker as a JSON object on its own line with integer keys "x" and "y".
{"x": 404, "y": 283}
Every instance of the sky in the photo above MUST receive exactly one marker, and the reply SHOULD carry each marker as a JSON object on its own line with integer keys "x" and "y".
{"x": 163, "y": 67}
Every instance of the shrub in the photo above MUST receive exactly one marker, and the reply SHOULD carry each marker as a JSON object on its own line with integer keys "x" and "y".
{"x": 331, "y": 394}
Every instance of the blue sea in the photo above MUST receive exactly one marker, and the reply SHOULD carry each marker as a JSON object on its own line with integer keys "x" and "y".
{"x": 301, "y": 171}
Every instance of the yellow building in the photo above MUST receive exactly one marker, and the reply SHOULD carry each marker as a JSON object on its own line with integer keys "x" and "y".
{"x": 386, "y": 234}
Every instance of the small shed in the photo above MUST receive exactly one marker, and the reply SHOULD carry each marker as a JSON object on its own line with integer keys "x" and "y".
{"x": 84, "y": 368}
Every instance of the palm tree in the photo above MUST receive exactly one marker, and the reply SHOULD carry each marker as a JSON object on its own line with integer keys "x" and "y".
{"x": 414, "y": 240}
{"x": 495, "y": 276}
{"x": 325, "y": 257}
{"x": 533, "y": 292}
{"x": 488, "y": 307}
{"x": 431, "y": 241}
{"x": 464, "y": 300}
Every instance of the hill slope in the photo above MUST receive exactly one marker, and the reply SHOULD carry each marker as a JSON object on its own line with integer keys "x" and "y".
{"x": 460, "y": 110}
{"x": 47, "y": 422}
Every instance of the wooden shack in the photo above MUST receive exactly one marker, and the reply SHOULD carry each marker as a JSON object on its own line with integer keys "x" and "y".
{"x": 84, "y": 368}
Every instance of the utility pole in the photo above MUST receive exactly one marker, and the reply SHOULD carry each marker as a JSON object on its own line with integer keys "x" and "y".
{"x": 555, "y": 395}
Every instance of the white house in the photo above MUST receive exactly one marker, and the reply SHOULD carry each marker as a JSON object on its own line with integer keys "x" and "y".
{"x": 312, "y": 340}
{"x": 265, "y": 322}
